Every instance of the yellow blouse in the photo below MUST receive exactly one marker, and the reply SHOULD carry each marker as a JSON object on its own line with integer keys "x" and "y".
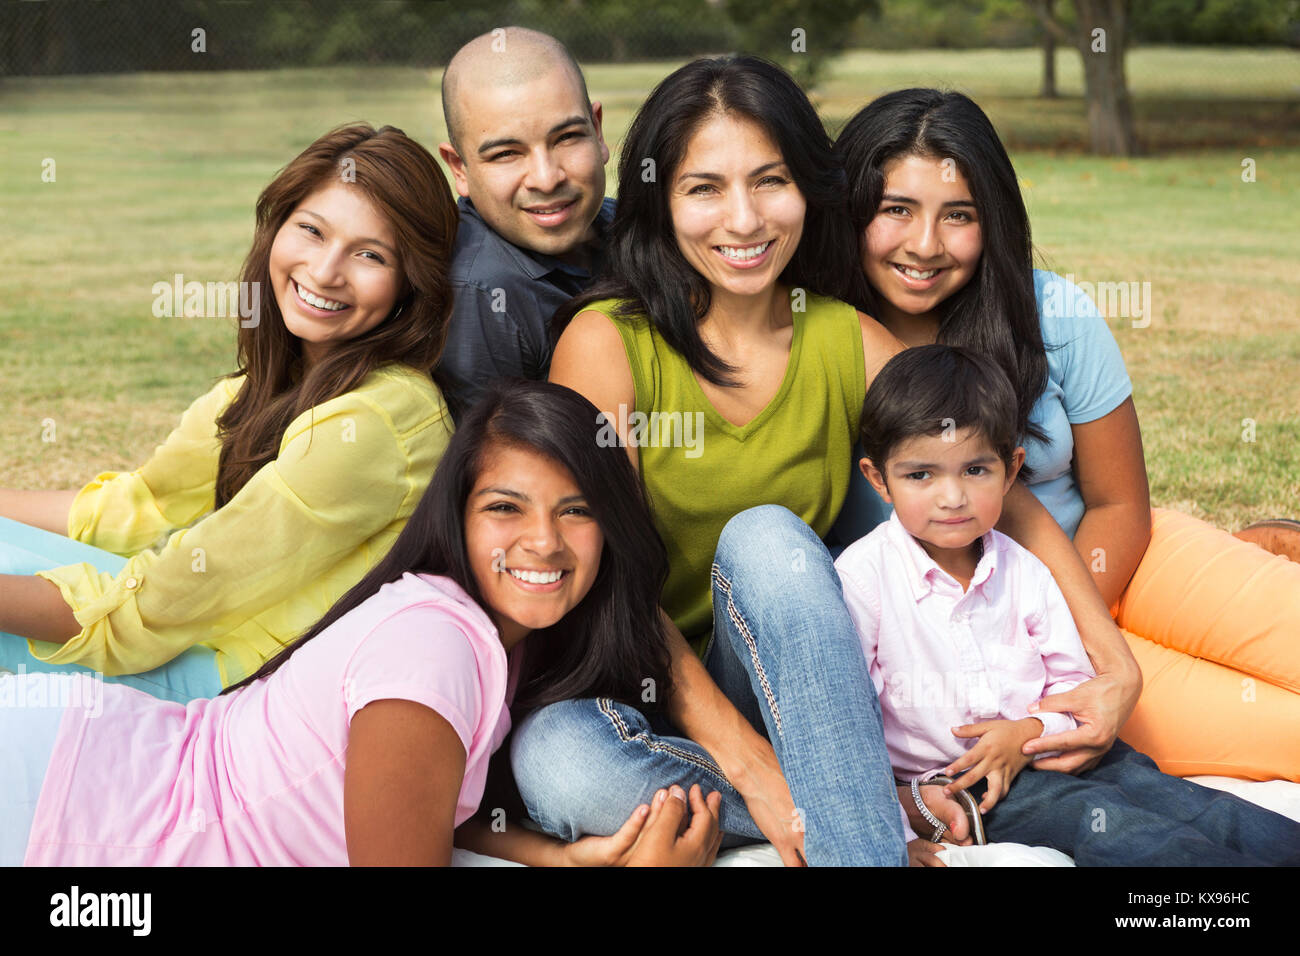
{"x": 248, "y": 578}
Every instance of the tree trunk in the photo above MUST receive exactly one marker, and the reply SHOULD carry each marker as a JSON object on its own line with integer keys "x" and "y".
{"x": 1048, "y": 92}
{"x": 1102, "y": 40}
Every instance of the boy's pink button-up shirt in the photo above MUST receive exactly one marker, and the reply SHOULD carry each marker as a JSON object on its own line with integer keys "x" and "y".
{"x": 940, "y": 658}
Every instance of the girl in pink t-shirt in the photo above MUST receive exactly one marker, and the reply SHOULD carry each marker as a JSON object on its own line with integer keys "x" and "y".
{"x": 367, "y": 740}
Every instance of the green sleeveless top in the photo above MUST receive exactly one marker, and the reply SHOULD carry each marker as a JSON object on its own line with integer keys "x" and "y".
{"x": 700, "y": 469}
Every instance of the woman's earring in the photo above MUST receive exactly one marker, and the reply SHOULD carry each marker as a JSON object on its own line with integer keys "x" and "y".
{"x": 398, "y": 312}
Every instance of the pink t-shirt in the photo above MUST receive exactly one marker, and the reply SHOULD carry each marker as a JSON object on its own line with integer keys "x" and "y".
{"x": 256, "y": 777}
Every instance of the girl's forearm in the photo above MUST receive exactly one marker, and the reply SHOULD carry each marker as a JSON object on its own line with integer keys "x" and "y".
{"x": 33, "y": 607}
{"x": 47, "y": 510}
{"x": 514, "y": 842}
{"x": 1111, "y": 540}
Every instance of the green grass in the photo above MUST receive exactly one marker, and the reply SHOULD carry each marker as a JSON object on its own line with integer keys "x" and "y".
{"x": 1182, "y": 96}
{"x": 157, "y": 174}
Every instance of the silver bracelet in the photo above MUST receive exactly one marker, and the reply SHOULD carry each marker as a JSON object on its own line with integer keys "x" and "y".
{"x": 966, "y": 801}
{"x": 940, "y": 828}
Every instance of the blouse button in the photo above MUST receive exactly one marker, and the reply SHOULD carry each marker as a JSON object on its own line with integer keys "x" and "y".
{"x": 132, "y": 584}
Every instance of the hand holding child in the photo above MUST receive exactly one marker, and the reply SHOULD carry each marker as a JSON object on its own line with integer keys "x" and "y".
{"x": 996, "y": 756}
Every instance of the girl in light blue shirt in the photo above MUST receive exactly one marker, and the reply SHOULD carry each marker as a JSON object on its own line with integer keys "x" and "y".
{"x": 946, "y": 257}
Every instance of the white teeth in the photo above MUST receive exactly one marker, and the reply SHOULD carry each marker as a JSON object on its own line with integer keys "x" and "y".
{"x": 537, "y": 577}
{"x": 917, "y": 274}
{"x": 749, "y": 252}
{"x": 317, "y": 301}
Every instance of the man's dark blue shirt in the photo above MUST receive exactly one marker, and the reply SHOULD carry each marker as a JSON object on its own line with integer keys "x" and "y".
{"x": 505, "y": 297}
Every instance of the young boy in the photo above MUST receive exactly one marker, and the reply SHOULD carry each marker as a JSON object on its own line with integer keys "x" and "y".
{"x": 962, "y": 629}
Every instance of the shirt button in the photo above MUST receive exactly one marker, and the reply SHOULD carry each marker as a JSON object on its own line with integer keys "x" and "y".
{"x": 132, "y": 584}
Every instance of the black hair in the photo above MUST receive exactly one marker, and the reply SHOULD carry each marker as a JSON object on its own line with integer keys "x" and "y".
{"x": 932, "y": 389}
{"x": 645, "y": 267}
{"x": 613, "y": 639}
{"x": 996, "y": 313}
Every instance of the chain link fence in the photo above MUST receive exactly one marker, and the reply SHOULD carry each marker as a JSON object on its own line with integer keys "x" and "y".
{"x": 115, "y": 36}
{"x": 43, "y": 37}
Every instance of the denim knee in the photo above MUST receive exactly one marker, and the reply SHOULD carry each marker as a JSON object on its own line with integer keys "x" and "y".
{"x": 766, "y": 534}
{"x": 771, "y": 547}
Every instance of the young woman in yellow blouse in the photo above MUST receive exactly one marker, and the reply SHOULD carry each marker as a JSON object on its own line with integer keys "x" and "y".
{"x": 286, "y": 482}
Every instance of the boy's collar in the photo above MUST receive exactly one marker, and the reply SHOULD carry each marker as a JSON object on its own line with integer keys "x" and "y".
{"x": 922, "y": 570}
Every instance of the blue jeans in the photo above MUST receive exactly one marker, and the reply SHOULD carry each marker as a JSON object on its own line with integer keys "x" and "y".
{"x": 1125, "y": 812}
{"x": 785, "y": 653}
{"x": 25, "y": 550}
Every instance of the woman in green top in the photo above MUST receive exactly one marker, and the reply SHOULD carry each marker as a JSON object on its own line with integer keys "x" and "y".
{"x": 722, "y": 361}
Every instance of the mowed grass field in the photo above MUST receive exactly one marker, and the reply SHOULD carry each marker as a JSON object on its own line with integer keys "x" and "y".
{"x": 157, "y": 174}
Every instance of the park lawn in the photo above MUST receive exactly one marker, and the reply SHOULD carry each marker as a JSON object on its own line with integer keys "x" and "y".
{"x": 156, "y": 174}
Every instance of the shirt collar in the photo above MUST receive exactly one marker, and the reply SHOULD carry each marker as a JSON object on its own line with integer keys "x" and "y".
{"x": 536, "y": 264}
{"x": 921, "y": 569}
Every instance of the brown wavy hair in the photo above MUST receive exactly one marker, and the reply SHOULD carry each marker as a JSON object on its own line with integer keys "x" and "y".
{"x": 406, "y": 185}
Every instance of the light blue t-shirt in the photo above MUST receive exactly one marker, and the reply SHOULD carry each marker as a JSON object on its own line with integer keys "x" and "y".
{"x": 1086, "y": 380}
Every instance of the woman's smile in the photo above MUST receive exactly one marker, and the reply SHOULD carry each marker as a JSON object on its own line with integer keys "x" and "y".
{"x": 918, "y": 279}
{"x": 745, "y": 257}
{"x": 539, "y": 580}
{"x": 315, "y": 302}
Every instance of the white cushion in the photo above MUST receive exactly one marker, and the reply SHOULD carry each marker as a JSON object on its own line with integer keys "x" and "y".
{"x": 1280, "y": 796}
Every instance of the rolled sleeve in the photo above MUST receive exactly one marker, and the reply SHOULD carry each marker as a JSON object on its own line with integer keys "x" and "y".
{"x": 126, "y": 512}
{"x": 340, "y": 478}
{"x": 1056, "y": 723}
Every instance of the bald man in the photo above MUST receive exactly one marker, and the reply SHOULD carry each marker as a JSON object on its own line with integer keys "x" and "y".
{"x": 528, "y": 156}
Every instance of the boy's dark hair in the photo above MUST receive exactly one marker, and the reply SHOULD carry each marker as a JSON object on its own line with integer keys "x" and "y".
{"x": 931, "y": 388}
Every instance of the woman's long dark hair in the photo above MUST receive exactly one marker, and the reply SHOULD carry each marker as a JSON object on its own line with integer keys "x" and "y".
{"x": 646, "y": 268}
{"x": 996, "y": 313}
{"x": 407, "y": 187}
{"x": 613, "y": 640}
